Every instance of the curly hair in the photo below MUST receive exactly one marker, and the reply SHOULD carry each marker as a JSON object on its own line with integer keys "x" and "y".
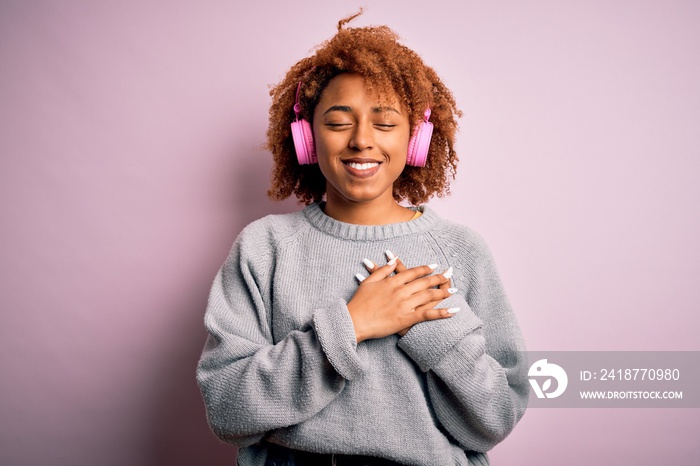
{"x": 387, "y": 67}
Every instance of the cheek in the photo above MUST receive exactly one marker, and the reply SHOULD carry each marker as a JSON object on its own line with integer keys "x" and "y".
{"x": 324, "y": 154}
{"x": 324, "y": 149}
{"x": 397, "y": 145}
{"x": 324, "y": 141}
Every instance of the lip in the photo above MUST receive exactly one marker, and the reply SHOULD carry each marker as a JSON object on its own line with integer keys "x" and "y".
{"x": 361, "y": 174}
{"x": 361, "y": 160}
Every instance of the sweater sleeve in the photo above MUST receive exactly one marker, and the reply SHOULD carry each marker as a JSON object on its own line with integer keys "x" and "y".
{"x": 475, "y": 361}
{"x": 250, "y": 383}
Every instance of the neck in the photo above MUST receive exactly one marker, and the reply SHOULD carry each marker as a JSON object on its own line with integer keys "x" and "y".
{"x": 380, "y": 211}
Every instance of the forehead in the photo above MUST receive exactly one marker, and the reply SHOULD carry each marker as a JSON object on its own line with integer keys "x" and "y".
{"x": 351, "y": 87}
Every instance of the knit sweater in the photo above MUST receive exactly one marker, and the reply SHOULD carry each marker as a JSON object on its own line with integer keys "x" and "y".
{"x": 281, "y": 363}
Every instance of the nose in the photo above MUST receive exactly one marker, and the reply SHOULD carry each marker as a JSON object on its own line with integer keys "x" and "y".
{"x": 362, "y": 136}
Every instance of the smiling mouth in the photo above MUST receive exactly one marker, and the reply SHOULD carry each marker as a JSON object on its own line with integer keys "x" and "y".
{"x": 362, "y": 166}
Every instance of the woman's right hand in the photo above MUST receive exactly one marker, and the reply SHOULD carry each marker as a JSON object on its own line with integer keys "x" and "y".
{"x": 385, "y": 304}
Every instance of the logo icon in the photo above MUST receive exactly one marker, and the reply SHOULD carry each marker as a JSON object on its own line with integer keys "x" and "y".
{"x": 543, "y": 369}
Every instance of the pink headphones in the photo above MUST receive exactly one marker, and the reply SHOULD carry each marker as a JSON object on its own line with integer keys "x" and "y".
{"x": 303, "y": 138}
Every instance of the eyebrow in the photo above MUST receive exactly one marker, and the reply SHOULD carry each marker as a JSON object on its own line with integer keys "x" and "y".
{"x": 348, "y": 109}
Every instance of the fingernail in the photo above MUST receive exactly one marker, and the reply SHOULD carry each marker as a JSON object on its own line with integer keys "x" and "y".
{"x": 389, "y": 255}
{"x": 452, "y": 290}
{"x": 368, "y": 263}
{"x": 447, "y": 273}
{"x": 432, "y": 266}
{"x": 360, "y": 278}
{"x": 393, "y": 260}
{"x": 453, "y": 310}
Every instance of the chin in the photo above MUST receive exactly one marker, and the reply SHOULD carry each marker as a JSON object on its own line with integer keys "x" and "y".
{"x": 361, "y": 197}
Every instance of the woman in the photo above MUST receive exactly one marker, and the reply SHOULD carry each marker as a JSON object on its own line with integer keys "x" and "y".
{"x": 332, "y": 339}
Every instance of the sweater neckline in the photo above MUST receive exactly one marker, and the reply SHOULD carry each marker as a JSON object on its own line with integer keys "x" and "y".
{"x": 349, "y": 231}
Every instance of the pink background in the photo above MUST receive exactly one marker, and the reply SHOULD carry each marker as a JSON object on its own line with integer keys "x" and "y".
{"x": 130, "y": 158}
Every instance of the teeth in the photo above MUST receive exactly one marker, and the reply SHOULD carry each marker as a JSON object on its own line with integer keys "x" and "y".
{"x": 362, "y": 166}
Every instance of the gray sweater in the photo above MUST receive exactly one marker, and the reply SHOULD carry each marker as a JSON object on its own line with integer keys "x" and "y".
{"x": 281, "y": 364}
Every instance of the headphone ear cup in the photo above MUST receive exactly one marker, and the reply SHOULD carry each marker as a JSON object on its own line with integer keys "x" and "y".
{"x": 304, "y": 142}
{"x": 419, "y": 144}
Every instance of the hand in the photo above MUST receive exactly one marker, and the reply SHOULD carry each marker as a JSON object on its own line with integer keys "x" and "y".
{"x": 400, "y": 268}
{"x": 384, "y": 304}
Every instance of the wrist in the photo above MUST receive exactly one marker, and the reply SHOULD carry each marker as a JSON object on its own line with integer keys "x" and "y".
{"x": 360, "y": 335}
